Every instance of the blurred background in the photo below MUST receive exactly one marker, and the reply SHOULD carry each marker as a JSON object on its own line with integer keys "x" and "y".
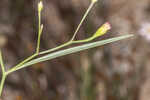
{"x": 117, "y": 71}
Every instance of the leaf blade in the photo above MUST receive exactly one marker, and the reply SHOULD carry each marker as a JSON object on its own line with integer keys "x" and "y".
{"x": 73, "y": 50}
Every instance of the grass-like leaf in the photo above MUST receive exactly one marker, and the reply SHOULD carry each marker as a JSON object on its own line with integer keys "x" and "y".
{"x": 73, "y": 50}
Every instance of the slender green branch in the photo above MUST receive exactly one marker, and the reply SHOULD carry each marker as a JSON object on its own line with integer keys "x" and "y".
{"x": 40, "y": 27}
{"x": 56, "y": 48}
{"x": 44, "y": 52}
{"x": 39, "y": 39}
{"x": 3, "y": 73}
{"x": 2, "y": 83}
{"x": 83, "y": 41}
{"x": 1, "y": 62}
{"x": 82, "y": 20}
{"x": 21, "y": 63}
{"x": 36, "y": 54}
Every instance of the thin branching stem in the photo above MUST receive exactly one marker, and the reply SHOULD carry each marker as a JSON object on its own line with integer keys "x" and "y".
{"x": 34, "y": 55}
{"x": 21, "y": 63}
{"x": 58, "y": 47}
{"x": 82, "y": 20}
{"x": 1, "y": 62}
{"x": 40, "y": 27}
{"x": 53, "y": 49}
{"x": 3, "y": 73}
{"x": 75, "y": 33}
{"x": 39, "y": 32}
{"x": 2, "y": 83}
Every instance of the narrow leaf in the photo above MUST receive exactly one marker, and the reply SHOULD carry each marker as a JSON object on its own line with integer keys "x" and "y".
{"x": 73, "y": 50}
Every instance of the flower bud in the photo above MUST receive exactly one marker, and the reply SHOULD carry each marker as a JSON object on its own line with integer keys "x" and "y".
{"x": 102, "y": 30}
{"x": 94, "y": 1}
{"x": 40, "y": 6}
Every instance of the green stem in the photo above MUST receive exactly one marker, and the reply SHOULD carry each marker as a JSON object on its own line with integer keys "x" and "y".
{"x": 85, "y": 40}
{"x": 3, "y": 73}
{"x": 21, "y": 63}
{"x": 54, "y": 49}
{"x": 2, "y": 83}
{"x": 1, "y": 62}
{"x": 39, "y": 32}
{"x": 15, "y": 68}
{"x": 82, "y": 20}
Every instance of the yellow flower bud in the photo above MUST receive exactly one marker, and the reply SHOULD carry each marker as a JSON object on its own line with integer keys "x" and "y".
{"x": 40, "y": 6}
{"x": 102, "y": 30}
{"x": 94, "y": 1}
